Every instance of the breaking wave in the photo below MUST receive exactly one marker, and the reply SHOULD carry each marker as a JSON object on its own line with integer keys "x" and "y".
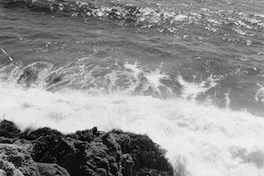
{"x": 204, "y": 108}
{"x": 200, "y": 140}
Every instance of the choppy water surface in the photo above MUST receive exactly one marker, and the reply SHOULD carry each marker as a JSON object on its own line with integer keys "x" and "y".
{"x": 187, "y": 73}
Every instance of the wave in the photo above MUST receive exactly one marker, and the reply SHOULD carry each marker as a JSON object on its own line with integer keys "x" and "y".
{"x": 111, "y": 77}
{"x": 94, "y": 77}
{"x": 200, "y": 140}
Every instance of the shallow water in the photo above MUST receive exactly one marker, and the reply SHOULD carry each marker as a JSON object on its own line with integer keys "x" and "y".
{"x": 189, "y": 74}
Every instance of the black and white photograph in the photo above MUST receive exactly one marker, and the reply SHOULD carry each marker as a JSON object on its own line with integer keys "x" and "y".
{"x": 131, "y": 87}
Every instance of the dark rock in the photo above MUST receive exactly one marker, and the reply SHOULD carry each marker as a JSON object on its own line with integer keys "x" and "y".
{"x": 123, "y": 140}
{"x": 52, "y": 149}
{"x": 95, "y": 157}
{"x": 33, "y": 135}
{"x": 145, "y": 153}
{"x": 95, "y": 131}
{"x": 102, "y": 156}
{"x": 16, "y": 161}
{"x": 47, "y": 169}
{"x": 105, "y": 153}
{"x": 114, "y": 153}
{"x": 89, "y": 152}
{"x": 8, "y": 129}
{"x": 127, "y": 165}
{"x": 64, "y": 151}
{"x": 86, "y": 135}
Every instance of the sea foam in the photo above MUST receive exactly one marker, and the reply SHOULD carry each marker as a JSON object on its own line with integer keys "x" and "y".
{"x": 200, "y": 140}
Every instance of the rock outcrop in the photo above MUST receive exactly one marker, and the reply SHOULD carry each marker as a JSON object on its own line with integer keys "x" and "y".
{"x": 47, "y": 152}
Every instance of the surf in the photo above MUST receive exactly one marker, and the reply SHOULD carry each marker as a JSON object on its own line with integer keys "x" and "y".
{"x": 199, "y": 139}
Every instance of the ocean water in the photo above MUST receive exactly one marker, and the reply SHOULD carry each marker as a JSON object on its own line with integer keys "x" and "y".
{"x": 189, "y": 74}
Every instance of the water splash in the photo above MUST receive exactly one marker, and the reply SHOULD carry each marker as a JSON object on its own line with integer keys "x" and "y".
{"x": 199, "y": 140}
{"x": 192, "y": 90}
{"x": 92, "y": 77}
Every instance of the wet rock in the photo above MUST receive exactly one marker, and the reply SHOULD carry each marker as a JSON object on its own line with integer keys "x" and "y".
{"x": 42, "y": 132}
{"x": 88, "y": 152}
{"x": 8, "y": 129}
{"x": 144, "y": 152}
{"x": 147, "y": 154}
{"x": 52, "y": 149}
{"x": 105, "y": 153}
{"x": 80, "y": 157}
{"x": 86, "y": 135}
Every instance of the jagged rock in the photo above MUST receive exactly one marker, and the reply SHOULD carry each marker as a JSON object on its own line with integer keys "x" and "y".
{"x": 90, "y": 152}
{"x": 15, "y": 161}
{"x": 47, "y": 169}
{"x": 105, "y": 155}
{"x": 52, "y": 149}
{"x": 144, "y": 152}
{"x": 64, "y": 151}
{"x": 147, "y": 154}
{"x": 86, "y": 135}
{"x": 80, "y": 157}
{"x": 123, "y": 140}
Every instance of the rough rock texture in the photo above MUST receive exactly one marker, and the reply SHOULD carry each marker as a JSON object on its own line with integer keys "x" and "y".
{"x": 88, "y": 152}
{"x": 46, "y": 169}
{"x": 8, "y": 129}
{"x": 16, "y": 161}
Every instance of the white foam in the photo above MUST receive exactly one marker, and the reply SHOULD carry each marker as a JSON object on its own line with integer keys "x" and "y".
{"x": 259, "y": 96}
{"x": 200, "y": 140}
{"x": 192, "y": 90}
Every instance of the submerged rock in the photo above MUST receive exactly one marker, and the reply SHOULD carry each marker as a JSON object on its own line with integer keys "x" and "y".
{"x": 88, "y": 152}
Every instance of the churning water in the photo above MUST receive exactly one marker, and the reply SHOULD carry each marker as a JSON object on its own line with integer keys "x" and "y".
{"x": 189, "y": 74}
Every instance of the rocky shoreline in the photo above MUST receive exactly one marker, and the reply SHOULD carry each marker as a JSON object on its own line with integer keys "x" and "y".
{"x": 47, "y": 152}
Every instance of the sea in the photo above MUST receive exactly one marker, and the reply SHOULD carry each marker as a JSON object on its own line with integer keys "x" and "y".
{"x": 187, "y": 73}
